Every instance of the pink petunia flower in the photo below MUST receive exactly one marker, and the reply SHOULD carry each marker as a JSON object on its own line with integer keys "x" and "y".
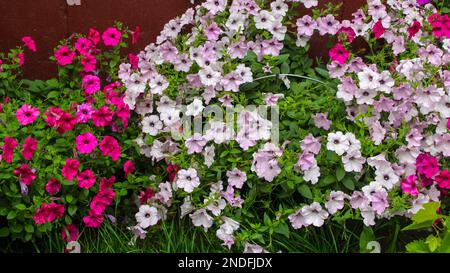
{"x": 29, "y": 42}
{"x": 91, "y": 84}
{"x": 66, "y": 123}
{"x": 86, "y": 143}
{"x": 86, "y": 179}
{"x": 409, "y": 185}
{"x": 94, "y": 36}
{"x": 69, "y": 233}
{"x": 29, "y": 147}
{"x": 25, "y": 174}
{"x": 8, "y": 148}
{"x": 427, "y": 165}
{"x": 93, "y": 220}
{"x": 84, "y": 112}
{"x": 89, "y": 63}
{"x": 52, "y": 115}
{"x": 53, "y": 186}
{"x": 64, "y": 56}
{"x": 339, "y": 54}
{"x": 20, "y": 58}
{"x": 48, "y": 213}
{"x": 70, "y": 169}
{"x": 102, "y": 117}
{"x": 443, "y": 179}
{"x": 106, "y": 183}
{"x": 135, "y": 35}
{"x": 110, "y": 147}
{"x": 111, "y": 37}
{"x": 83, "y": 45}
{"x": 27, "y": 114}
{"x": 378, "y": 29}
{"x": 129, "y": 167}
{"x": 414, "y": 29}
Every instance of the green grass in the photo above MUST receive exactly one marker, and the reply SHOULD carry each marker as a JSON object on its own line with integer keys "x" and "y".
{"x": 180, "y": 236}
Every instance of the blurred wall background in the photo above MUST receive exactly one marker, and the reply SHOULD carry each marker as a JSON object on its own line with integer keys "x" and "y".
{"x": 49, "y": 21}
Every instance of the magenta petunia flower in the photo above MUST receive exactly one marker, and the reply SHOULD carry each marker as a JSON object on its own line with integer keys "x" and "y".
{"x": 70, "y": 169}
{"x": 83, "y": 45}
{"x": 29, "y": 42}
{"x": 111, "y": 37}
{"x": 91, "y": 84}
{"x": 21, "y": 58}
{"x": 339, "y": 54}
{"x": 94, "y": 36}
{"x": 129, "y": 167}
{"x": 8, "y": 149}
{"x": 409, "y": 185}
{"x": 110, "y": 147}
{"x": 53, "y": 186}
{"x": 427, "y": 165}
{"x": 443, "y": 179}
{"x": 25, "y": 174}
{"x": 414, "y": 29}
{"x": 64, "y": 56}
{"x": 86, "y": 143}
{"x": 29, "y": 147}
{"x": 69, "y": 233}
{"x": 27, "y": 114}
{"x": 102, "y": 117}
{"x": 66, "y": 123}
{"x": 135, "y": 35}
{"x": 378, "y": 29}
{"x": 48, "y": 213}
{"x": 89, "y": 63}
{"x": 86, "y": 179}
{"x": 93, "y": 220}
{"x": 84, "y": 112}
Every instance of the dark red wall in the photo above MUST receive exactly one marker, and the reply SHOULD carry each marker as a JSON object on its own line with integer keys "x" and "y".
{"x": 49, "y": 21}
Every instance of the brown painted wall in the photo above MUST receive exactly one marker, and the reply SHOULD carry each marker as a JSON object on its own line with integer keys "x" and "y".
{"x": 49, "y": 21}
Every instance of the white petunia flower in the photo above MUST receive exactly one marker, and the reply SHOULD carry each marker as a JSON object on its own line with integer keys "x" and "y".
{"x": 151, "y": 125}
{"x": 188, "y": 180}
{"x": 314, "y": 214}
{"x": 338, "y": 143}
{"x": 195, "y": 108}
{"x": 201, "y": 218}
{"x": 147, "y": 216}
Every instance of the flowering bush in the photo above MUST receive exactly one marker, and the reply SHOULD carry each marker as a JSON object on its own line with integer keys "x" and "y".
{"x": 374, "y": 149}
{"x": 66, "y": 152}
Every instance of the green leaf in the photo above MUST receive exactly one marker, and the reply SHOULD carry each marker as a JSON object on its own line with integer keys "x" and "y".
{"x": 348, "y": 183}
{"x": 340, "y": 173}
{"x": 267, "y": 220}
{"x": 72, "y": 209}
{"x": 11, "y": 215}
{"x": 425, "y": 217}
{"x": 433, "y": 242}
{"x": 53, "y": 83}
{"x": 417, "y": 247}
{"x": 285, "y": 69}
{"x": 366, "y": 236}
{"x": 69, "y": 198}
{"x": 29, "y": 228}
{"x": 282, "y": 229}
{"x": 322, "y": 72}
{"x": 20, "y": 207}
{"x": 445, "y": 245}
{"x": 52, "y": 94}
{"x": 329, "y": 179}
{"x": 16, "y": 228}
{"x": 4, "y": 232}
{"x": 305, "y": 191}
